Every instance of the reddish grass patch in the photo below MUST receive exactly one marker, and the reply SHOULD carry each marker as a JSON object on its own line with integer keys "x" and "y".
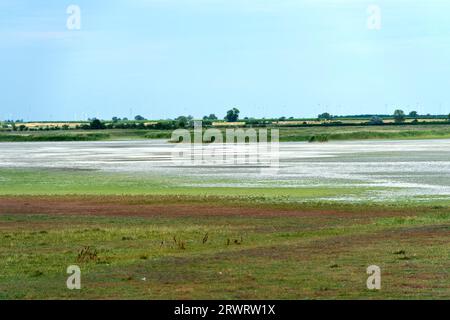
{"x": 141, "y": 206}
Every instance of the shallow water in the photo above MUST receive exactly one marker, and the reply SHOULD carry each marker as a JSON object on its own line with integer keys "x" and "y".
{"x": 407, "y": 168}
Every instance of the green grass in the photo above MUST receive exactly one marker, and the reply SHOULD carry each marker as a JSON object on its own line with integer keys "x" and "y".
{"x": 274, "y": 258}
{"x": 425, "y": 134}
{"x": 313, "y": 134}
{"x": 53, "y": 137}
{"x": 84, "y": 182}
{"x": 364, "y": 133}
{"x": 306, "y": 248}
{"x": 83, "y": 135}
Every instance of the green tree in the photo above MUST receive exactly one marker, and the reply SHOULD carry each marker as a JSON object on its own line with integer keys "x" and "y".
{"x": 183, "y": 122}
{"x": 96, "y": 125}
{"x": 325, "y": 116}
{"x": 211, "y": 117}
{"x": 232, "y": 115}
{"x": 376, "y": 121}
{"x": 139, "y": 118}
{"x": 413, "y": 114}
{"x": 399, "y": 116}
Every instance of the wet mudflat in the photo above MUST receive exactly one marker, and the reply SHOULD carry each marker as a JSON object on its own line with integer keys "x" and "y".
{"x": 395, "y": 169}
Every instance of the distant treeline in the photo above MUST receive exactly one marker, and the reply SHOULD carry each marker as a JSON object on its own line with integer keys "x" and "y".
{"x": 232, "y": 117}
{"x": 390, "y": 116}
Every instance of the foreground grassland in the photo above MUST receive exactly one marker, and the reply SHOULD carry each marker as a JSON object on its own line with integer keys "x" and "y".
{"x": 86, "y": 182}
{"x": 220, "y": 248}
{"x": 143, "y": 237}
{"x": 286, "y": 134}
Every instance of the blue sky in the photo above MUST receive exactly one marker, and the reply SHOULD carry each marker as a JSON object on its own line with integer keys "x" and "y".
{"x": 164, "y": 58}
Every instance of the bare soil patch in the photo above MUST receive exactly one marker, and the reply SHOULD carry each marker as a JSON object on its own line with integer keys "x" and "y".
{"x": 141, "y": 206}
